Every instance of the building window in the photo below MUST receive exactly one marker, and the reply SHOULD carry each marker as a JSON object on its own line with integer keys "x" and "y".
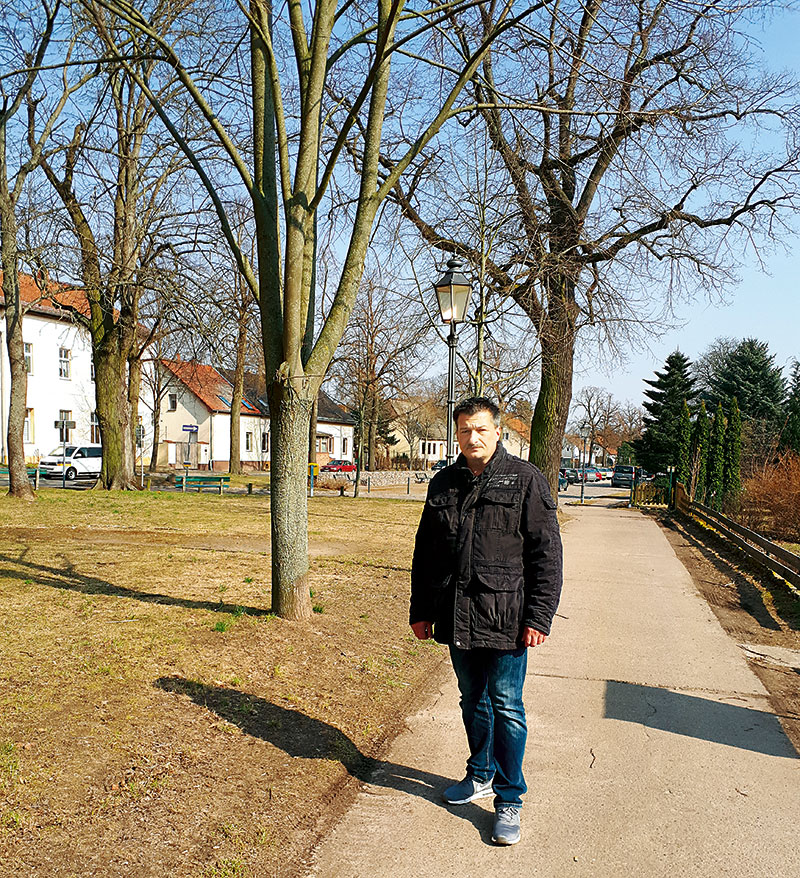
{"x": 505, "y": 436}
{"x": 91, "y": 370}
{"x": 28, "y": 357}
{"x": 248, "y": 441}
{"x": 344, "y": 447}
{"x": 63, "y": 432}
{"x": 265, "y": 442}
{"x": 27, "y": 427}
{"x": 64, "y": 356}
{"x": 172, "y": 402}
{"x": 94, "y": 429}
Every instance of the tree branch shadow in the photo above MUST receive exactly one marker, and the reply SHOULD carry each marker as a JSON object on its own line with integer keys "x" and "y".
{"x": 67, "y": 578}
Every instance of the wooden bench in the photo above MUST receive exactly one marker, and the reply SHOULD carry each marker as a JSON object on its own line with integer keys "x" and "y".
{"x": 201, "y": 482}
{"x": 420, "y": 478}
{"x": 33, "y": 473}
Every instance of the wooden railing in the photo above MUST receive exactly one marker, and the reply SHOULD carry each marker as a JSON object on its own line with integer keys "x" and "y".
{"x": 770, "y": 555}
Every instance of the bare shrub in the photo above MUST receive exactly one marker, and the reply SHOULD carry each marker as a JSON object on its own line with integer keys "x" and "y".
{"x": 770, "y": 502}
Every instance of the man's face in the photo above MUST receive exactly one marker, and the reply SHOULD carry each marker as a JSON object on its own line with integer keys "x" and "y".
{"x": 477, "y": 438}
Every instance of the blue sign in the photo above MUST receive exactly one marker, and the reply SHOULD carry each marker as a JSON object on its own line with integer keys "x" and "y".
{"x": 190, "y": 428}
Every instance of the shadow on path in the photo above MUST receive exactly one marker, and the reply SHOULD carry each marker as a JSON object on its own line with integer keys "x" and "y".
{"x": 304, "y": 737}
{"x": 68, "y": 579}
{"x": 694, "y": 717}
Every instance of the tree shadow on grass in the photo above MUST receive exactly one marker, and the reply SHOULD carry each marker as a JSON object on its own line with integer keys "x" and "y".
{"x": 304, "y": 737}
{"x": 68, "y": 579}
{"x": 716, "y": 551}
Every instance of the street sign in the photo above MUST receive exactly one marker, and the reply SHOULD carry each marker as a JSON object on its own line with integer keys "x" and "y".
{"x": 139, "y": 434}
{"x": 190, "y": 428}
{"x": 68, "y": 425}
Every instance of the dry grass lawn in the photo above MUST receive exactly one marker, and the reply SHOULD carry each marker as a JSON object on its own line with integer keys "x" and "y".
{"x": 155, "y": 718}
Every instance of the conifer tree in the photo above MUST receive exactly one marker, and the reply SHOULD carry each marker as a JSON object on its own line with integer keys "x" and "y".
{"x": 790, "y": 438}
{"x": 716, "y": 460}
{"x": 658, "y": 447}
{"x": 699, "y": 454}
{"x": 731, "y": 470}
{"x": 684, "y": 463}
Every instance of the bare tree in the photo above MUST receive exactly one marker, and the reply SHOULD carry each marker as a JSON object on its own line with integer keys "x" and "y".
{"x": 117, "y": 250}
{"x": 26, "y": 40}
{"x": 644, "y": 148}
{"x": 287, "y": 181}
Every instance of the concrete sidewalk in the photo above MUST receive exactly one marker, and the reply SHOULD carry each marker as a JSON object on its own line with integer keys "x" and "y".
{"x": 652, "y": 750}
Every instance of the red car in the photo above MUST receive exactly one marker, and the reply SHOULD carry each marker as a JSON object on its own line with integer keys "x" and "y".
{"x": 338, "y": 466}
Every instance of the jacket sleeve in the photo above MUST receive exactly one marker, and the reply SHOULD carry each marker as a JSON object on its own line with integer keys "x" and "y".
{"x": 421, "y": 610}
{"x": 542, "y": 555}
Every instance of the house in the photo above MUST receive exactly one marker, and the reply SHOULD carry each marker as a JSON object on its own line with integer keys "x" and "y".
{"x": 420, "y": 431}
{"x": 58, "y": 360}
{"x": 195, "y": 420}
{"x": 515, "y": 436}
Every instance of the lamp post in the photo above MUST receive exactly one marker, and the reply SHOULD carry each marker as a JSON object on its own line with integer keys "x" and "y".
{"x": 452, "y": 291}
{"x": 584, "y": 431}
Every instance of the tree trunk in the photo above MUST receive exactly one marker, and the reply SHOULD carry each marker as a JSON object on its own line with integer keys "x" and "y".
{"x": 312, "y": 433}
{"x": 552, "y": 406}
{"x": 290, "y": 414}
{"x": 235, "y": 462}
{"x": 113, "y": 414}
{"x": 18, "y": 482}
{"x": 134, "y": 392}
{"x": 157, "y": 396}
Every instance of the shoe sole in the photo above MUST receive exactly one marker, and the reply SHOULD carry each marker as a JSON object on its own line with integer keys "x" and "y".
{"x": 482, "y": 795}
{"x": 502, "y": 840}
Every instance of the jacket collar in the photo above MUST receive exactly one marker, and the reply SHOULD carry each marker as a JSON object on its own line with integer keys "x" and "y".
{"x": 494, "y": 463}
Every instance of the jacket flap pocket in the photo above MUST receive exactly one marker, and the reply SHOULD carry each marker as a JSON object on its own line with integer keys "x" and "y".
{"x": 501, "y": 498}
{"x": 498, "y": 578}
{"x": 446, "y": 498}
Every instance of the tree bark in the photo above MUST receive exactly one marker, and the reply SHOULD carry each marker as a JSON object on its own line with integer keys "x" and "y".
{"x": 235, "y": 462}
{"x": 19, "y": 484}
{"x": 290, "y": 415}
{"x": 113, "y": 414}
{"x": 552, "y": 406}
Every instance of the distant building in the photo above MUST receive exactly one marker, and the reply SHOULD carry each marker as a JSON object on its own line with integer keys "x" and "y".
{"x": 195, "y": 421}
{"x": 58, "y": 360}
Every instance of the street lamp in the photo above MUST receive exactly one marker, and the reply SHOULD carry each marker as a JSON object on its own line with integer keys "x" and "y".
{"x": 584, "y": 431}
{"x": 452, "y": 291}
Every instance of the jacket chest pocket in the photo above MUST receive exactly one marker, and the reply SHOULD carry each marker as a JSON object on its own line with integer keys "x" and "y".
{"x": 444, "y": 508}
{"x": 500, "y": 510}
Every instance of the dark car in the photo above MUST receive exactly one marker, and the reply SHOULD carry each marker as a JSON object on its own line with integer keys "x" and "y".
{"x": 440, "y": 464}
{"x": 623, "y": 476}
{"x": 338, "y": 466}
{"x": 571, "y": 475}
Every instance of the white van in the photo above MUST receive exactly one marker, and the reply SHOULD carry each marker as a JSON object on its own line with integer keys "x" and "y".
{"x": 78, "y": 461}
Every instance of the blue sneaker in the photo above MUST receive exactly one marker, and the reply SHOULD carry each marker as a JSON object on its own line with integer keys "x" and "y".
{"x": 506, "y": 824}
{"x": 467, "y": 790}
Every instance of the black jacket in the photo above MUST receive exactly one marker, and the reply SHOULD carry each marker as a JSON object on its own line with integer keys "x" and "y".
{"x": 487, "y": 558}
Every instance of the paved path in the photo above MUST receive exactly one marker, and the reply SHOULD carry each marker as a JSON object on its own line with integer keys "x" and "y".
{"x": 652, "y": 750}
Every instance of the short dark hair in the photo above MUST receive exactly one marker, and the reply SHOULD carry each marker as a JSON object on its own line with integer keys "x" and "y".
{"x": 475, "y": 404}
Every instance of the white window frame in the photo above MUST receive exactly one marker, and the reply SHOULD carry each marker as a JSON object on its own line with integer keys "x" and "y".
{"x": 63, "y": 432}
{"x": 65, "y": 363}
{"x": 27, "y": 427}
{"x": 172, "y": 402}
{"x": 248, "y": 441}
{"x": 28, "y": 348}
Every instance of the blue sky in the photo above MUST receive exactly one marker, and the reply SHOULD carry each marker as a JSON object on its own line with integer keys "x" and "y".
{"x": 764, "y": 305}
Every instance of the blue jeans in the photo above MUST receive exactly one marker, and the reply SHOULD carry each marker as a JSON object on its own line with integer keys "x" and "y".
{"x": 490, "y": 682}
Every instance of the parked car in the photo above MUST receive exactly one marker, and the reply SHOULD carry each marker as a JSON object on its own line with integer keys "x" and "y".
{"x": 440, "y": 464}
{"x": 338, "y": 466}
{"x": 563, "y": 482}
{"x": 606, "y": 471}
{"x": 592, "y": 474}
{"x": 72, "y": 462}
{"x": 623, "y": 476}
{"x": 571, "y": 475}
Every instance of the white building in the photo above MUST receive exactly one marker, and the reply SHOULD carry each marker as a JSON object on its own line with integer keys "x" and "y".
{"x": 195, "y": 420}
{"x": 58, "y": 358}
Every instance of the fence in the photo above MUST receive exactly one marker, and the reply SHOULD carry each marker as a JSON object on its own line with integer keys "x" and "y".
{"x": 650, "y": 494}
{"x": 775, "y": 558}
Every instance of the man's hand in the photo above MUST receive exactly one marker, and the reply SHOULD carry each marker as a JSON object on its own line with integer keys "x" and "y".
{"x": 422, "y": 630}
{"x": 530, "y": 637}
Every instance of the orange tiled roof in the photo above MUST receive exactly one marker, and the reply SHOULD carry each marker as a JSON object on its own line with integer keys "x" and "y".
{"x": 56, "y": 299}
{"x": 517, "y": 426}
{"x": 206, "y": 383}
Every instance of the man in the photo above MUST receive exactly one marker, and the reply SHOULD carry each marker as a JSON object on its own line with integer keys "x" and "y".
{"x": 486, "y": 580}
